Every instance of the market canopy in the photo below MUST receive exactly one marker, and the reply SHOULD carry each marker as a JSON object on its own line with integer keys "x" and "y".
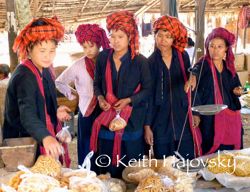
{"x": 75, "y": 11}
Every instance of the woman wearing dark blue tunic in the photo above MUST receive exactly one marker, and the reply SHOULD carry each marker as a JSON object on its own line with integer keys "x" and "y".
{"x": 122, "y": 83}
{"x": 169, "y": 124}
{"x": 219, "y": 84}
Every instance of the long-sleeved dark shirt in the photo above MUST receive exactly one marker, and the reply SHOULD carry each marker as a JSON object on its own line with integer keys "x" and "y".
{"x": 24, "y": 106}
{"x": 125, "y": 81}
{"x": 169, "y": 103}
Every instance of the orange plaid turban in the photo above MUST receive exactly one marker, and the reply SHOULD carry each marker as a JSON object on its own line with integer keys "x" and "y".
{"x": 124, "y": 20}
{"x": 30, "y": 34}
{"x": 176, "y": 28}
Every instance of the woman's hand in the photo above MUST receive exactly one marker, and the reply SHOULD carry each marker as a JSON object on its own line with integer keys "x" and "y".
{"x": 190, "y": 83}
{"x": 196, "y": 121}
{"x": 63, "y": 113}
{"x": 238, "y": 91}
{"x": 148, "y": 135}
{"x": 52, "y": 147}
{"x": 120, "y": 104}
{"x": 104, "y": 105}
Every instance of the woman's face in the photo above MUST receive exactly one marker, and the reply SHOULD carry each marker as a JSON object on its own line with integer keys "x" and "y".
{"x": 217, "y": 49}
{"x": 164, "y": 40}
{"x": 43, "y": 53}
{"x": 119, "y": 40}
{"x": 91, "y": 50}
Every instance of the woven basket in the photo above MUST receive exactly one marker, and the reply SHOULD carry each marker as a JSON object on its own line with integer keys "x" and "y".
{"x": 72, "y": 104}
{"x": 18, "y": 151}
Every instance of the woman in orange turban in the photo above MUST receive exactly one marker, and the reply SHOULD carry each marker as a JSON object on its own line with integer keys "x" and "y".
{"x": 31, "y": 107}
{"x": 122, "y": 86}
{"x": 169, "y": 125}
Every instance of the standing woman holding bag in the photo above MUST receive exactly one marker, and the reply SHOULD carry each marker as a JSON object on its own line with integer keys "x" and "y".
{"x": 31, "y": 106}
{"x": 122, "y": 86}
{"x": 91, "y": 37}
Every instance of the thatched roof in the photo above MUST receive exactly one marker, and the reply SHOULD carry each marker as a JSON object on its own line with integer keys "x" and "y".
{"x": 73, "y": 11}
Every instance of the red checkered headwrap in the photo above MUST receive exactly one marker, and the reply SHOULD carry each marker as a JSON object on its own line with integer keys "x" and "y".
{"x": 124, "y": 20}
{"x": 229, "y": 38}
{"x": 176, "y": 28}
{"x": 30, "y": 34}
{"x": 92, "y": 33}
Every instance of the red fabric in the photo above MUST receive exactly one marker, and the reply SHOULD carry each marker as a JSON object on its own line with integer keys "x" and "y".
{"x": 90, "y": 66}
{"x": 107, "y": 116}
{"x": 49, "y": 124}
{"x": 196, "y": 133}
{"x": 53, "y": 30}
{"x": 124, "y": 20}
{"x": 229, "y": 38}
{"x": 92, "y": 33}
{"x": 176, "y": 28}
{"x": 244, "y": 17}
{"x": 227, "y": 123}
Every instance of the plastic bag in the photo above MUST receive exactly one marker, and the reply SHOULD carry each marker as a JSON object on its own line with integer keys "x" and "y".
{"x": 84, "y": 169}
{"x": 32, "y": 181}
{"x": 6, "y": 188}
{"x": 117, "y": 123}
{"x": 64, "y": 135}
{"x": 87, "y": 184}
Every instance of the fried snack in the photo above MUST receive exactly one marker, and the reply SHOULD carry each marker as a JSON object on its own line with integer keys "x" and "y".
{"x": 117, "y": 123}
{"x": 79, "y": 173}
{"x": 140, "y": 175}
{"x": 242, "y": 163}
{"x": 221, "y": 164}
{"x": 37, "y": 183}
{"x": 16, "y": 180}
{"x": 88, "y": 187}
{"x": 104, "y": 176}
{"x": 64, "y": 181}
{"x": 151, "y": 184}
{"x": 115, "y": 187}
{"x": 48, "y": 166}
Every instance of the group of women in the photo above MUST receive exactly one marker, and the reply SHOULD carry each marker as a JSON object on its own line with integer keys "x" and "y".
{"x": 152, "y": 95}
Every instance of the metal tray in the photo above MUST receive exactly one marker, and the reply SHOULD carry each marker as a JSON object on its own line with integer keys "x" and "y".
{"x": 209, "y": 109}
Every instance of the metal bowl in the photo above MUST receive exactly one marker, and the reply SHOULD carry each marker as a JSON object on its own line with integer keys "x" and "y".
{"x": 209, "y": 109}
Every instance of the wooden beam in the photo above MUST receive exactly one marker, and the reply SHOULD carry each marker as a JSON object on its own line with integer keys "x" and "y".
{"x": 146, "y": 7}
{"x": 127, "y": 3}
{"x": 106, "y": 5}
{"x": 53, "y": 7}
{"x": 84, "y": 5}
{"x": 188, "y": 4}
{"x": 35, "y": 7}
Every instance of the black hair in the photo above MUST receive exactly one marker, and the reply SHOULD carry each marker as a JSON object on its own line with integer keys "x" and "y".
{"x": 190, "y": 42}
{"x": 39, "y": 22}
{"x": 4, "y": 69}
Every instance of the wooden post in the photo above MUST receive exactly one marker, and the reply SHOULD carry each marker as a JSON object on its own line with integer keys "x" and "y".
{"x": 12, "y": 32}
{"x": 200, "y": 27}
{"x": 169, "y": 7}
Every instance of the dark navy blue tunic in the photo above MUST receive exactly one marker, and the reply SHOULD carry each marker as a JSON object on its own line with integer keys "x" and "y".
{"x": 226, "y": 84}
{"x": 168, "y": 106}
{"x": 125, "y": 81}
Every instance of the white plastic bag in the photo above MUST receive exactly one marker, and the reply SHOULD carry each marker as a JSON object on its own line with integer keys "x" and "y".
{"x": 117, "y": 123}
{"x": 64, "y": 135}
{"x": 84, "y": 169}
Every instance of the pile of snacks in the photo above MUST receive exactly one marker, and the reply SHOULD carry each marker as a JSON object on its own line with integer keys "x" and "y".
{"x": 160, "y": 176}
{"x": 237, "y": 164}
